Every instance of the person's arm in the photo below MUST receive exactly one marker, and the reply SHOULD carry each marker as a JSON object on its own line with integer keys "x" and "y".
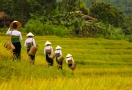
{"x": 20, "y": 37}
{"x": 51, "y": 49}
{"x": 55, "y": 51}
{"x": 44, "y": 52}
{"x": 8, "y": 32}
{"x": 72, "y": 60}
{"x": 34, "y": 43}
{"x": 60, "y": 52}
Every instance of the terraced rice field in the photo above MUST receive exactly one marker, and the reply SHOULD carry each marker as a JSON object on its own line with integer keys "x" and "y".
{"x": 100, "y": 62}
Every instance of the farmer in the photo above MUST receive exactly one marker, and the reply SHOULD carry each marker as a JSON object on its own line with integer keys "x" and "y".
{"x": 47, "y": 52}
{"x": 70, "y": 62}
{"x": 15, "y": 39}
{"x": 30, "y": 41}
{"x": 58, "y": 53}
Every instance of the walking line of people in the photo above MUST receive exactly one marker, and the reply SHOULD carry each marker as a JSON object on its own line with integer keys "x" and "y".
{"x": 16, "y": 38}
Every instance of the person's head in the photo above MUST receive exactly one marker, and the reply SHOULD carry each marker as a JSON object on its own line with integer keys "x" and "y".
{"x": 68, "y": 55}
{"x": 15, "y": 24}
{"x": 47, "y": 43}
{"x": 30, "y": 35}
{"x": 58, "y": 47}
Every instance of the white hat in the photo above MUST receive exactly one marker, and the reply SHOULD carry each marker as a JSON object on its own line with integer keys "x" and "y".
{"x": 68, "y": 55}
{"x": 47, "y": 42}
{"x": 58, "y": 47}
{"x": 29, "y": 34}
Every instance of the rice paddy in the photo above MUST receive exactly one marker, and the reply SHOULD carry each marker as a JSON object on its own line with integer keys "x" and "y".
{"x": 101, "y": 65}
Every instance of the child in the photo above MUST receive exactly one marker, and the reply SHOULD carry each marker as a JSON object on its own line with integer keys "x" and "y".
{"x": 28, "y": 43}
{"x": 70, "y": 62}
{"x": 47, "y": 51}
{"x": 58, "y": 53}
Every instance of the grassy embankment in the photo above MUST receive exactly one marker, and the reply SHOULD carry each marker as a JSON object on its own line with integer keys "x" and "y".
{"x": 101, "y": 65}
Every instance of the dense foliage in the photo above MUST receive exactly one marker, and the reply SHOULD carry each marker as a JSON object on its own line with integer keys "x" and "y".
{"x": 124, "y": 5}
{"x": 106, "y": 13}
{"x": 59, "y": 17}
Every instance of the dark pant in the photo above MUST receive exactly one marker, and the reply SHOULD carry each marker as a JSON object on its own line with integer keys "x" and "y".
{"x": 17, "y": 51}
{"x": 70, "y": 66}
{"x": 32, "y": 57}
{"x": 49, "y": 60}
{"x": 59, "y": 63}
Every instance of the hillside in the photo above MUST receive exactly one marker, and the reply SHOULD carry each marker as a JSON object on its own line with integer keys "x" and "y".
{"x": 124, "y": 5}
{"x": 96, "y": 58}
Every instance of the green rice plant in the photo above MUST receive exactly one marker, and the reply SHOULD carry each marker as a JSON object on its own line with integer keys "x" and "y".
{"x": 92, "y": 83}
{"x": 101, "y": 65}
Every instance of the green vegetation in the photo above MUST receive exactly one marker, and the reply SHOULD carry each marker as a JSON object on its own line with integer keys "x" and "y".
{"x": 124, "y": 5}
{"x": 50, "y": 17}
{"x": 101, "y": 65}
{"x": 107, "y": 13}
{"x": 103, "y": 53}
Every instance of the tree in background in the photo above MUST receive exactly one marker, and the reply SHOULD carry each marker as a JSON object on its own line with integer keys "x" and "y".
{"x": 105, "y": 12}
{"x": 127, "y": 27}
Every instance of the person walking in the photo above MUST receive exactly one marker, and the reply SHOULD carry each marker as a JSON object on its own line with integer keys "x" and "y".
{"x": 47, "y": 52}
{"x": 70, "y": 62}
{"x": 16, "y": 37}
{"x": 29, "y": 42}
{"x": 59, "y": 57}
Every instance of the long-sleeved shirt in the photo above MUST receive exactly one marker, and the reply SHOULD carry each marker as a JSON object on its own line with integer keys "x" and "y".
{"x": 14, "y": 33}
{"x": 48, "y": 50}
{"x": 31, "y": 41}
{"x": 58, "y": 52}
{"x": 69, "y": 58}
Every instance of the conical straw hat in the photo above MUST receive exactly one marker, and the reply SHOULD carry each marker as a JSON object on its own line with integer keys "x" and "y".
{"x": 68, "y": 55}
{"x": 17, "y": 22}
{"x": 47, "y": 42}
{"x": 29, "y": 34}
{"x": 58, "y": 47}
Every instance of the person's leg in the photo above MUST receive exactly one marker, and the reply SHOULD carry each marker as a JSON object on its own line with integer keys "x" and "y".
{"x": 14, "y": 55}
{"x": 48, "y": 60}
{"x": 17, "y": 51}
{"x": 51, "y": 62}
{"x": 28, "y": 54}
{"x": 60, "y": 64}
{"x": 69, "y": 65}
{"x": 32, "y": 58}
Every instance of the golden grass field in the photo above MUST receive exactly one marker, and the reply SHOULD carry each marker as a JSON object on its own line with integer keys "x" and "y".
{"x": 101, "y": 65}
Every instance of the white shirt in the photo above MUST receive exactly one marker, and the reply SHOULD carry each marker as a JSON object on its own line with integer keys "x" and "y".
{"x": 69, "y": 58}
{"x": 48, "y": 48}
{"x": 14, "y": 33}
{"x": 30, "y": 40}
{"x": 58, "y": 52}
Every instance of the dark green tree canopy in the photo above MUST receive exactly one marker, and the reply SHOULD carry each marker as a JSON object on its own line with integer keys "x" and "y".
{"x": 105, "y": 12}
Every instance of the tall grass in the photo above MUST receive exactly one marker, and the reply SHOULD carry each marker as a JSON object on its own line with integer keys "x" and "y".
{"x": 101, "y": 65}
{"x": 84, "y": 83}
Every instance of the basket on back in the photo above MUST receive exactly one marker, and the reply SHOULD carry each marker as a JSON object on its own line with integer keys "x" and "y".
{"x": 73, "y": 64}
{"x": 52, "y": 55}
{"x": 33, "y": 50}
{"x": 9, "y": 46}
{"x": 60, "y": 58}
